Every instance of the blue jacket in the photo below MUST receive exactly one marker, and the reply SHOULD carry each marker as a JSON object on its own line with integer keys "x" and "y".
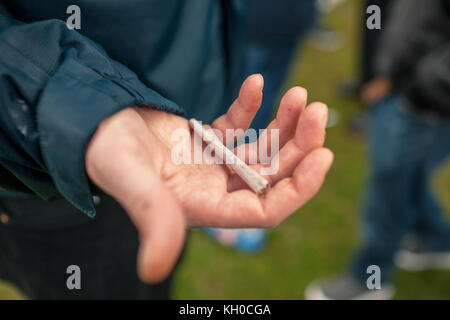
{"x": 57, "y": 84}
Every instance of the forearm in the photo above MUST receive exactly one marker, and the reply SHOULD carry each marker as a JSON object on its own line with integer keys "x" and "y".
{"x": 56, "y": 86}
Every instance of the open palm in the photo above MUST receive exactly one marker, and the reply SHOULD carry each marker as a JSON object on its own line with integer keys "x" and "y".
{"x": 129, "y": 157}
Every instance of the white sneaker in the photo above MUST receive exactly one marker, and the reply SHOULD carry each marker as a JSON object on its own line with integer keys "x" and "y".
{"x": 418, "y": 261}
{"x": 345, "y": 287}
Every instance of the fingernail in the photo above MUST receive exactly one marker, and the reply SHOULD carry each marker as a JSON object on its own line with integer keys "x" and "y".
{"x": 261, "y": 78}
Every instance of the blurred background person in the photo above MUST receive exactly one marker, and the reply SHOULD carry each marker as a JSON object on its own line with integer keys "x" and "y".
{"x": 276, "y": 30}
{"x": 409, "y": 139}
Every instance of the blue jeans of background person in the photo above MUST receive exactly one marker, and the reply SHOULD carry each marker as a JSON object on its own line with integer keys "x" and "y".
{"x": 405, "y": 149}
{"x": 274, "y": 30}
{"x": 272, "y": 61}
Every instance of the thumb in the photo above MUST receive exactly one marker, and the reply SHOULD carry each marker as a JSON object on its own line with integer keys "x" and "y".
{"x": 157, "y": 215}
{"x": 160, "y": 223}
{"x": 117, "y": 160}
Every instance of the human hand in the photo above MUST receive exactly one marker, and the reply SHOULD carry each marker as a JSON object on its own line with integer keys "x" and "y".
{"x": 129, "y": 157}
{"x": 376, "y": 89}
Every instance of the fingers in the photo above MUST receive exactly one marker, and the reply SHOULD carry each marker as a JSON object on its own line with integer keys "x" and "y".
{"x": 291, "y": 106}
{"x": 244, "y": 108}
{"x": 309, "y": 135}
{"x": 244, "y": 208}
{"x": 290, "y": 194}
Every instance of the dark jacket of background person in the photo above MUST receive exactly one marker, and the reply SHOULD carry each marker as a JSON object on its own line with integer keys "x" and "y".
{"x": 415, "y": 53}
{"x": 57, "y": 85}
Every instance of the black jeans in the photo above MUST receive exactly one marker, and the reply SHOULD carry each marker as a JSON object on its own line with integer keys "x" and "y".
{"x": 39, "y": 240}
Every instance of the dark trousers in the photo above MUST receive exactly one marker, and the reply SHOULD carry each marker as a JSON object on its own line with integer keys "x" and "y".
{"x": 40, "y": 240}
{"x": 272, "y": 40}
{"x": 405, "y": 150}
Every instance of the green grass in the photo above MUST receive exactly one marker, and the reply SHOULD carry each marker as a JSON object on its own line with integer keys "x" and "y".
{"x": 318, "y": 240}
{"x": 7, "y": 291}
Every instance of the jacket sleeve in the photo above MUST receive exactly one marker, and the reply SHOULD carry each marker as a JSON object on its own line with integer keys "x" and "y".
{"x": 414, "y": 28}
{"x": 430, "y": 86}
{"x": 56, "y": 86}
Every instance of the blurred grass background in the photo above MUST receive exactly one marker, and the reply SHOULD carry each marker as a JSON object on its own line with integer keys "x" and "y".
{"x": 319, "y": 240}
